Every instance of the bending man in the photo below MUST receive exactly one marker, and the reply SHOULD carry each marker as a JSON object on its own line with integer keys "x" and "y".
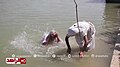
{"x": 84, "y": 36}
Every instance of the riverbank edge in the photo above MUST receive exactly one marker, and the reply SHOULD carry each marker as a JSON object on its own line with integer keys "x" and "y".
{"x": 112, "y": 1}
{"x": 115, "y": 61}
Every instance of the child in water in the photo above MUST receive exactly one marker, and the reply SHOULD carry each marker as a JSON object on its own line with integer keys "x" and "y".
{"x": 50, "y": 37}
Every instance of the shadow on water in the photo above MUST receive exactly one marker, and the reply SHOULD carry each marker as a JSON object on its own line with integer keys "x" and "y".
{"x": 117, "y": 6}
{"x": 111, "y": 23}
{"x": 111, "y": 36}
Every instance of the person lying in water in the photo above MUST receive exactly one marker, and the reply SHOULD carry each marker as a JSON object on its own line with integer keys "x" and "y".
{"x": 85, "y": 36}
{"x": 50, "y": 37}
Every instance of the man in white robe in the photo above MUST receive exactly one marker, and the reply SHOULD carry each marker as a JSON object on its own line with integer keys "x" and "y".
{"x": 84, "y": 35}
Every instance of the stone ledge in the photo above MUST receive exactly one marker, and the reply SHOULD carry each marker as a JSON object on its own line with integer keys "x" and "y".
{"x": 115, "y": 62}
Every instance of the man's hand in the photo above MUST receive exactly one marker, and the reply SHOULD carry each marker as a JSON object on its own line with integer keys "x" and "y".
{"x": 85, "y": 48}
{"x": 81, "y": 54}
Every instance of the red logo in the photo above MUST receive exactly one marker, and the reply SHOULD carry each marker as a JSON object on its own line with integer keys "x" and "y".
{"x": 16, "y": 60}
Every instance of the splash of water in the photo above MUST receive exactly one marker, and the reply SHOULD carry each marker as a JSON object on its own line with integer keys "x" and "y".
{"x": 26, "y": 43}
{"x": 23, "y": 43}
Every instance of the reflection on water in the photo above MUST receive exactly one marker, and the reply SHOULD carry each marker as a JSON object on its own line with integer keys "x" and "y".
{"x": 23, "y": 22}
{"x": 112, "y": 21}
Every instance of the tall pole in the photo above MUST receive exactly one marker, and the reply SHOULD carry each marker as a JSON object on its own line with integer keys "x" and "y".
{"x": 76, "y": 11}
{"x": 77, "y": 20}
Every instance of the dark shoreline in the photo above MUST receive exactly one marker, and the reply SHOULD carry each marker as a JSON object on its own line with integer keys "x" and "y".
{"x": 112, "y": 1}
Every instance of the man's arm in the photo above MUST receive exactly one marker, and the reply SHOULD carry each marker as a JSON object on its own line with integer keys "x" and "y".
{"x": 86, "y": 41}
{"x": 68, "y": 45}
{"x": 58, "y": 39}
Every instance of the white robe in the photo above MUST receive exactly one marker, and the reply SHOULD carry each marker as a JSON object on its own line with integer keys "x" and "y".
{"x": 84, "y": 30}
